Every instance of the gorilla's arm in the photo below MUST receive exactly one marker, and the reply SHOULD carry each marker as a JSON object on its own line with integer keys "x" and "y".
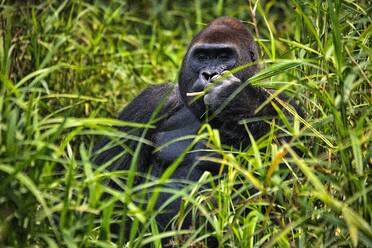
{"x": 140, "y": 110}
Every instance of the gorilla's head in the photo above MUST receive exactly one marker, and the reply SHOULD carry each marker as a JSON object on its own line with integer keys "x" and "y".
{"x": 223, "y": 45}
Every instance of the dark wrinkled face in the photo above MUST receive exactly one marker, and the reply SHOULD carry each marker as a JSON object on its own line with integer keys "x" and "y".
{"x": 223, "y": 45}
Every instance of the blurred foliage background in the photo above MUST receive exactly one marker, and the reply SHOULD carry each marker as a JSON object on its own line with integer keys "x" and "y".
{"x": 64, "y": 65}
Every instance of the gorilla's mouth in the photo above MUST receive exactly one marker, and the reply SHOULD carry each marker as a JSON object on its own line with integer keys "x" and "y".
{"x": 207, "y": 96}
{"x": 210, "y": 84}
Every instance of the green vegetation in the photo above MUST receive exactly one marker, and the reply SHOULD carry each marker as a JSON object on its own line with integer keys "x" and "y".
{"x": 66, "y": 67}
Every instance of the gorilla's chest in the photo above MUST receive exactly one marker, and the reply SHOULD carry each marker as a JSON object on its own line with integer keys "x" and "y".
{"x": 176, "y": 135}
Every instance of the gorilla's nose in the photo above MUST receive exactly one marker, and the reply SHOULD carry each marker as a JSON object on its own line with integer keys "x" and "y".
{"x": 208, "y": 75}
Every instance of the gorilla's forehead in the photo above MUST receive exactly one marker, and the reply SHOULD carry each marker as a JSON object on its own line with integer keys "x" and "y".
{"x": 223, "y": 34}
{"x": 212, "y": 44}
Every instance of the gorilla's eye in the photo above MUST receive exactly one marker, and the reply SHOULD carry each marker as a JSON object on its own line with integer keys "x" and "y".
{"x": 202, "y": 56}
{"x": 224, "y": 56}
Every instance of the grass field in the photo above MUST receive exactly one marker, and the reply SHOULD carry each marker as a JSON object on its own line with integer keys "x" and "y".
{"x": 68, "y": 67}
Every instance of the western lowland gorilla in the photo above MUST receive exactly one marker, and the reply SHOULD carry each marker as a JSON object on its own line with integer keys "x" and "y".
{"x": 218, "y": 62}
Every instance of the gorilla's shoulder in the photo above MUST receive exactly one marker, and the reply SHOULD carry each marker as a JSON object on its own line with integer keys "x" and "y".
{"x": 157, "y": 90}
{"x": 162, "y": 96}
{"x": 155, "y": 98}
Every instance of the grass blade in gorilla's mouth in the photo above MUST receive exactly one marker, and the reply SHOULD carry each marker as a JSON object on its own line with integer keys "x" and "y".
{"x": 197, "y": 93}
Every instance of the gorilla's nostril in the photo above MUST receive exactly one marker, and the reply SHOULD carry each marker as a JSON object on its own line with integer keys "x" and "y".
{"x": 208, "y": 75}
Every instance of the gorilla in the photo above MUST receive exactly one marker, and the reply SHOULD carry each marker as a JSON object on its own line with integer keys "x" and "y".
{"x": 218, "y": 62}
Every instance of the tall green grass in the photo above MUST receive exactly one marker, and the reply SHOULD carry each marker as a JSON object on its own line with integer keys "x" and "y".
{"x": 67, "y": 68}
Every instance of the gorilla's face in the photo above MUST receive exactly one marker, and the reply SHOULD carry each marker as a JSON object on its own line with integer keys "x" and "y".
{"x": 223, "y": 45}
{"x": 208, "y": 61}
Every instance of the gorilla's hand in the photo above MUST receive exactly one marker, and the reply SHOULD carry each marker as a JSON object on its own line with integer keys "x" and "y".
{"x": 221, "y": 87}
